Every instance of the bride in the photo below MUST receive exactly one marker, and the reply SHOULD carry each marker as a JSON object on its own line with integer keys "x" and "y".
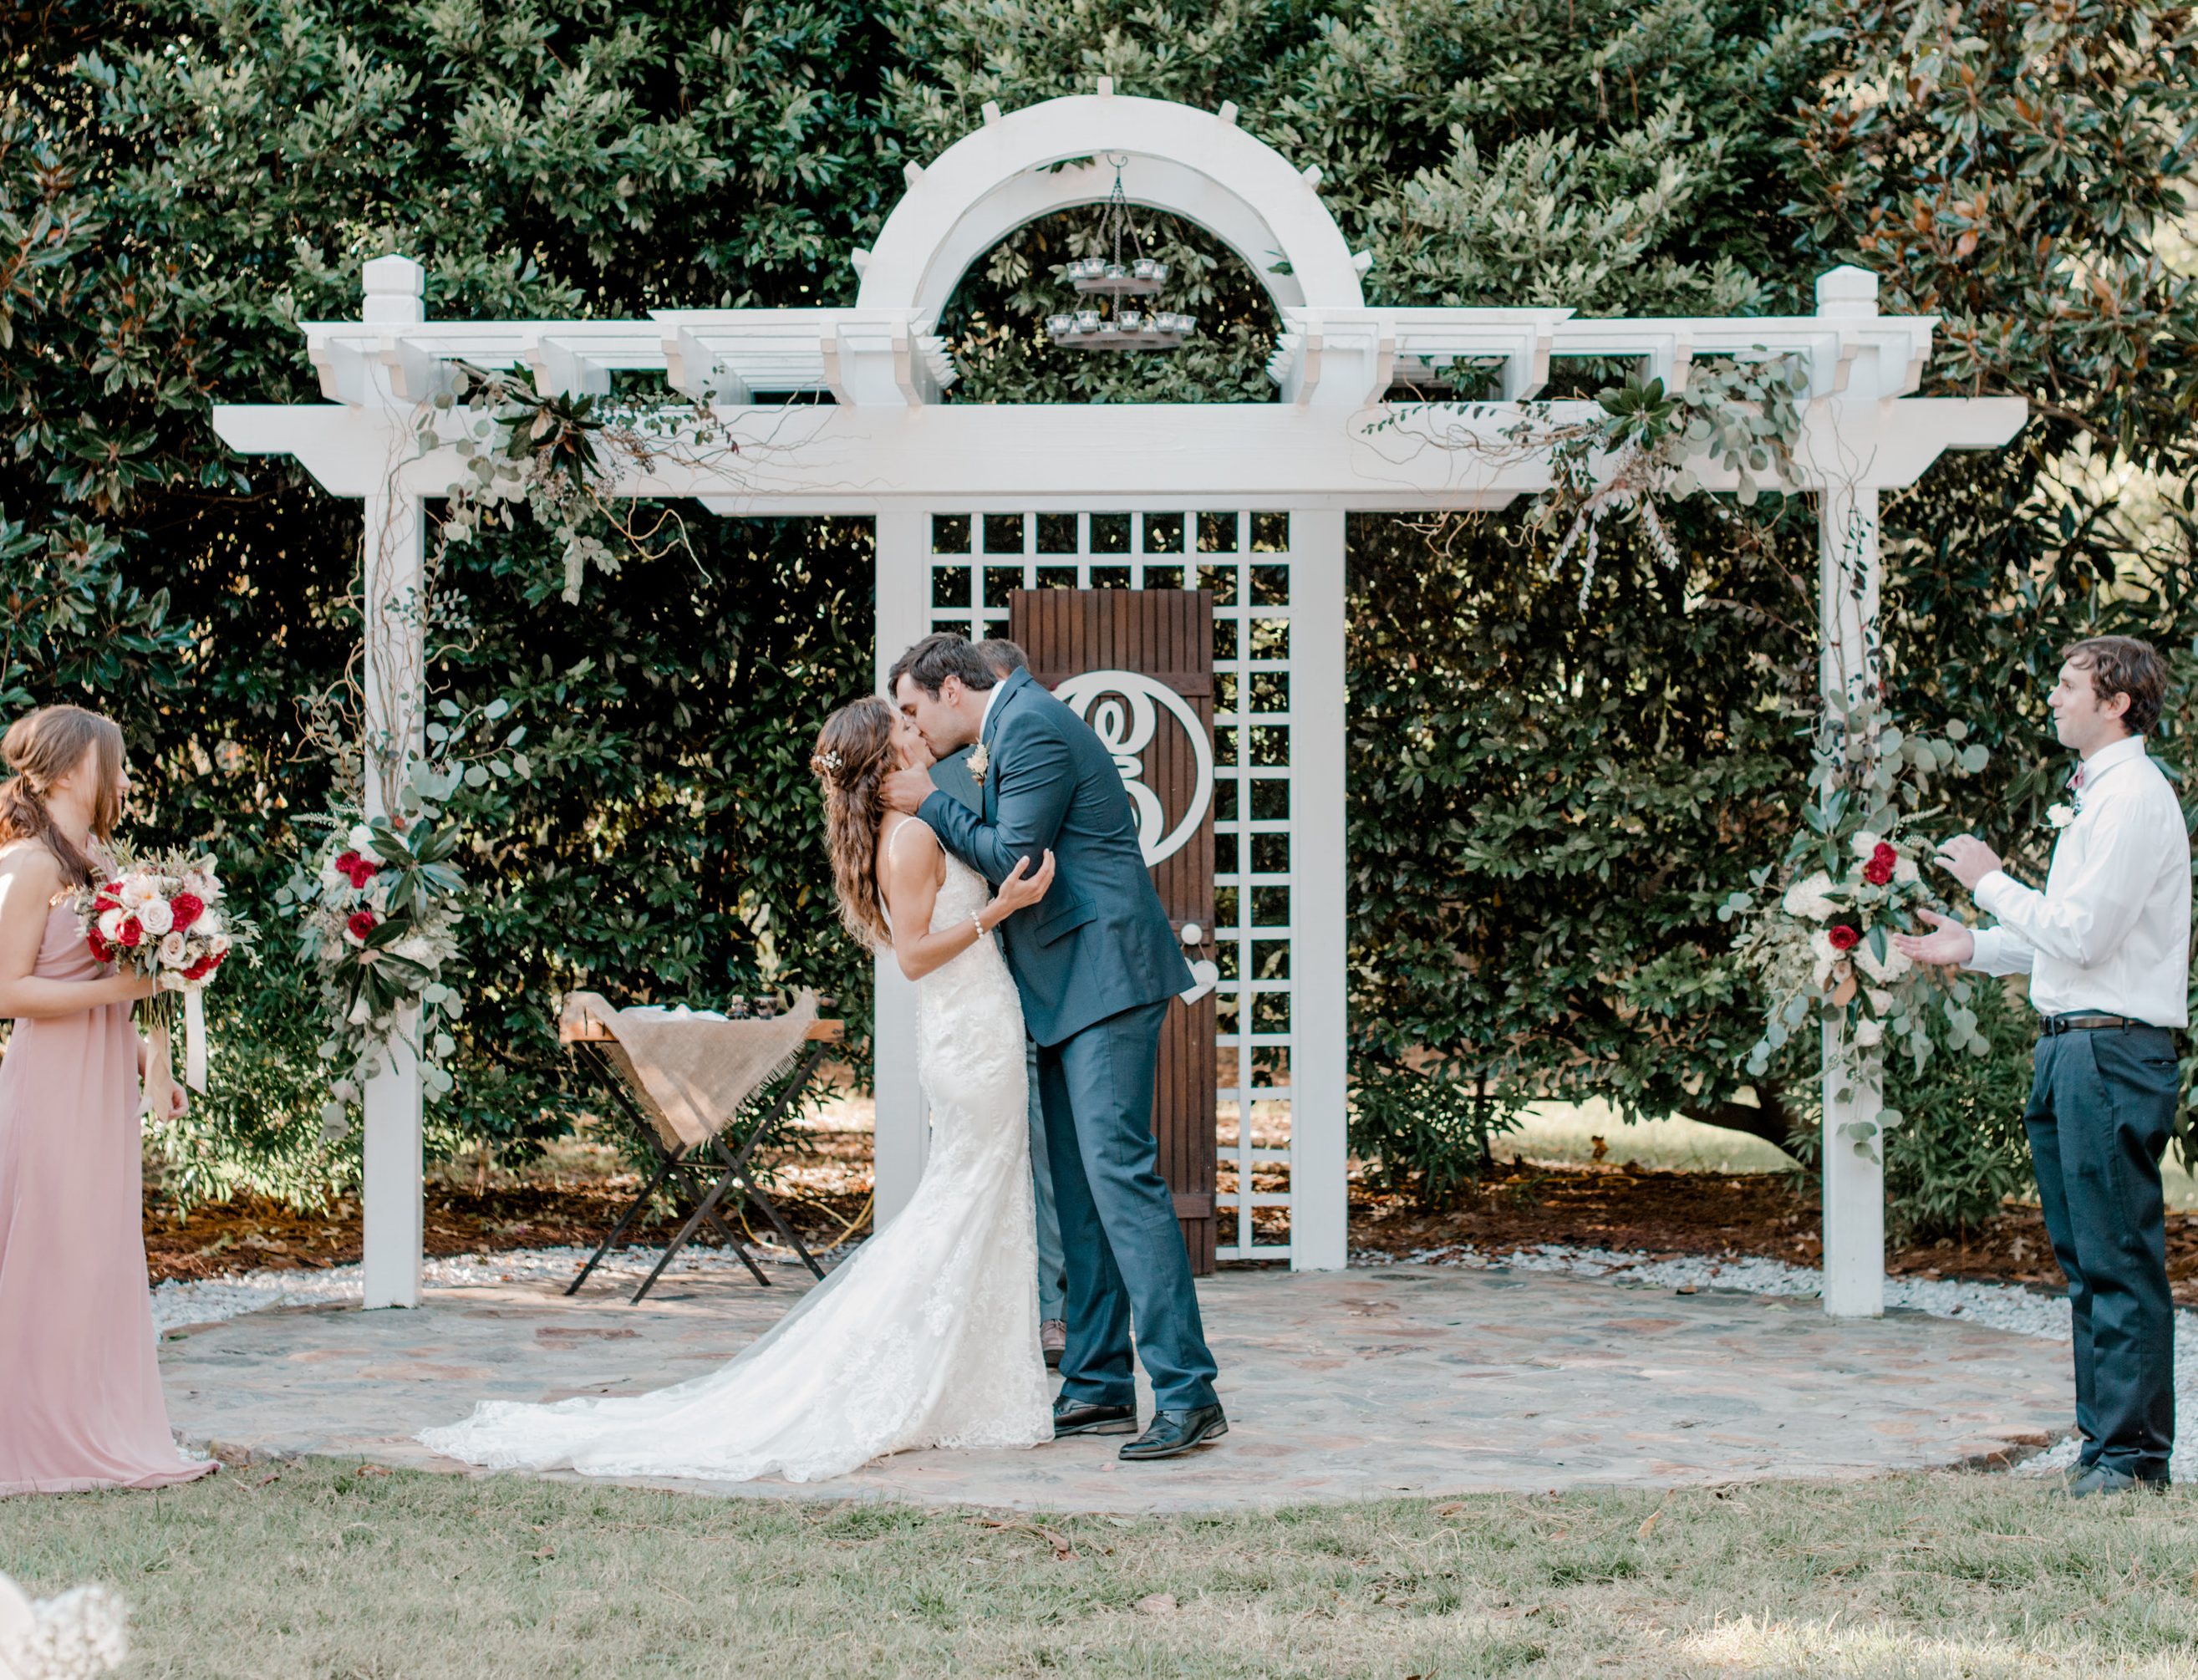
{"x": 928, "y": 1335}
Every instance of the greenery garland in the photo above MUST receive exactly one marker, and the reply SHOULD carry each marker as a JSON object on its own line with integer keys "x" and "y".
{"x": 1640, "y": 447}
{"x": 378, "y": 900}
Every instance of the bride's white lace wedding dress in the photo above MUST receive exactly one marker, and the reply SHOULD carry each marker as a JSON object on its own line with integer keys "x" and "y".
{"x": 925, "y": 1336}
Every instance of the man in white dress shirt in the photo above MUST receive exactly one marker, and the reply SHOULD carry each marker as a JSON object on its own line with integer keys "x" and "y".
{"x": 2106, "y": 946}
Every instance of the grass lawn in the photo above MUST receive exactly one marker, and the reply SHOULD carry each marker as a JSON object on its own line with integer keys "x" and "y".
{"x": 321, "y": 1570}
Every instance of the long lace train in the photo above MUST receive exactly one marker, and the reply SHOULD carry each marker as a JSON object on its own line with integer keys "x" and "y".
{"x": 925, "y": 1336}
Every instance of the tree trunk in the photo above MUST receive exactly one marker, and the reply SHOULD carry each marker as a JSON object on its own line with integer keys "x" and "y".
{"x": 1772, "y": 1122}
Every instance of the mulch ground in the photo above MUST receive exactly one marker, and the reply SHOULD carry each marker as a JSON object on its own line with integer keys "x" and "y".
{"x": 1669, "y": 1214}
{"x": 1626, "y": 1207}
{"x": 249, "y": 1235}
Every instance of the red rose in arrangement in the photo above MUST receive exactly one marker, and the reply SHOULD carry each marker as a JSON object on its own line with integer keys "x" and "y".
{"x": 358, "y": 870}
{"x": 1843, "y": 938}
{"x": 1879, "y": 870}
{"x": 188, "y": 908}
{"x": 360, "y": 923}
{"x": 100, "y": 951}
{"x": 132, "y": 934}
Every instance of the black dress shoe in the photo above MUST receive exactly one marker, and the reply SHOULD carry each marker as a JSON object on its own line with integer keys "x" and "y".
{"x": 1082, "y": 1417}
{"x": 1173, "y": 1432}
{"x": 2094, "y": 1480}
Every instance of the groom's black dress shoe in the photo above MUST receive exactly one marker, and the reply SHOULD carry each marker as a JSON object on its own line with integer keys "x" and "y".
{"x": 1081, "y": 1417}
{"x": 1171, "y": 1432}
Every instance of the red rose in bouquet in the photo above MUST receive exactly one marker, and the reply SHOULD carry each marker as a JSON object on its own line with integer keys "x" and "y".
{"x": 356, "y": 869}
{"x": 1843, "y": 938}
{"x": 359, "y": 923}
{"x": 1879, "y": 870}
{"x": 187, "y": 907}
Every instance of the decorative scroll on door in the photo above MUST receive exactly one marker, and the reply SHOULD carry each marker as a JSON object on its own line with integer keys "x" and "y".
{"x": 1137, "y": 665}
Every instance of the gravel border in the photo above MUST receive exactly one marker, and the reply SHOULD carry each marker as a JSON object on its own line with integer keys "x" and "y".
{"x": 1999, "y": 1306}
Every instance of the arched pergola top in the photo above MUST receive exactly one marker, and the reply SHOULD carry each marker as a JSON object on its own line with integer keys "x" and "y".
{"x": 1056, "y": 154}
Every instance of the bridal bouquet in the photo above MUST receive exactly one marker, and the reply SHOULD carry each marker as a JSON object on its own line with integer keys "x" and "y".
{"x": 163, "y": 915}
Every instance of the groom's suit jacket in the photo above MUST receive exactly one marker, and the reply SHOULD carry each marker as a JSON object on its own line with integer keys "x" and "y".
{"x": 1099, "y": 943}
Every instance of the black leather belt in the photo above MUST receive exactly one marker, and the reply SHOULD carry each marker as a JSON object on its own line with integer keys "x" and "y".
{"x": 2050, "y": 1025}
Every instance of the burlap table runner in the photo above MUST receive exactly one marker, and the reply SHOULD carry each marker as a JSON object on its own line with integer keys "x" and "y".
{"x": 692, "y": 1069}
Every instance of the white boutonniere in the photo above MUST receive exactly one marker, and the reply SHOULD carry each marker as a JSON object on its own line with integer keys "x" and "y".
{"x": 2060, "y": 816}
{"x": 980, "y": 760}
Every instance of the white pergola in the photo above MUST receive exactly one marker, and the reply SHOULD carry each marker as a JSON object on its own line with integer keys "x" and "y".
{"x": 971, "y": 499}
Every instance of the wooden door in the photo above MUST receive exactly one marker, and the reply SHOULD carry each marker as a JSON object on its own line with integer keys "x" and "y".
{"x": 1165, "y": 635}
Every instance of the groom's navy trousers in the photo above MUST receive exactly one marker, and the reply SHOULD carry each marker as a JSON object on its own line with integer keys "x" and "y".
{"x": 1118, "y": 1227}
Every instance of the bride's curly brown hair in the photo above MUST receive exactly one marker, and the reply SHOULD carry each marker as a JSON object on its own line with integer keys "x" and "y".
{"x": 854, "y": 754}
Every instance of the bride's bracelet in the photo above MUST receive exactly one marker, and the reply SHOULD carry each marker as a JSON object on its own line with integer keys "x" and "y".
{"x": 976, "y": 921}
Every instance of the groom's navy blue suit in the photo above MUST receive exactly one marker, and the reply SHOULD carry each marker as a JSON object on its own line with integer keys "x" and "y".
{"x": 1096, "y": 961}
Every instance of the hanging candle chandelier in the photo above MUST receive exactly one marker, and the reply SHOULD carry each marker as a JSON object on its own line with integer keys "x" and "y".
{"x": 1109, "y": 315}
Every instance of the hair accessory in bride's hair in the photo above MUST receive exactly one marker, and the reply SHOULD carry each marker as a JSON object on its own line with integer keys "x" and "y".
{"x": 825, "y": 763}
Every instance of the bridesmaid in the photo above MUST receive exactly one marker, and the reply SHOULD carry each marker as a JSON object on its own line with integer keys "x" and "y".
{"x": 80, "y": 1403}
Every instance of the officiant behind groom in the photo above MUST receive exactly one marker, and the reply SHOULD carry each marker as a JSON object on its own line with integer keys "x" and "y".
{"x": 950, "y": 776}
{"x": 2106, "y": 945}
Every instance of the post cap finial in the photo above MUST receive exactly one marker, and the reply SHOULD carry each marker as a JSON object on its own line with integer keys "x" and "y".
{"x": 1847, "y": 290}
{"x": 395, "y": 287}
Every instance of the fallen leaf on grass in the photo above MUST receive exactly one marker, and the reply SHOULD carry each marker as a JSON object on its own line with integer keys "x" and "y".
{"x": 1650, "y": 1526}
{"x": 372, "y": 1470}
{"x": 1063, "y": 1552}
{"x": 1157, "y": 1604}
{"x": 1449, "y": 1510}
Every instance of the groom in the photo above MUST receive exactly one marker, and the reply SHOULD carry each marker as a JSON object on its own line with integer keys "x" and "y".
{"x": 1096, "y": 963}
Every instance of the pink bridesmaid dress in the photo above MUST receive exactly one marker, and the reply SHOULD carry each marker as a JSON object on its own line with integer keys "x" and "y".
{"x": 80, "y": 1402}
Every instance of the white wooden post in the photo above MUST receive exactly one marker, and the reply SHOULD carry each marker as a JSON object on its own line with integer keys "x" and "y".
{"x": 902, "y": 1135}
{"x": 1319, "y": 1056}
{"x": 1847, "y": 580}
{"x": 392, "y": 1193}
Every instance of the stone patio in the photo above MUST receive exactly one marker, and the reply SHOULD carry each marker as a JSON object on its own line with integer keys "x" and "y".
{"x": 1345, "y": 1386}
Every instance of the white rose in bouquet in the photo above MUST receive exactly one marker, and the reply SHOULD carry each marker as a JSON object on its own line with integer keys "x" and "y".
{"x": 171, "y": 950}
{"x": 110, "y": 926}
{"x": 360, "y": 839}
{"x": 208, "y": 926}
{"x": 156, "y": 916}
{"x": 334, "y": 879}
{"x": 1868, "y": 1032}
{"x": 1866, "y": 843}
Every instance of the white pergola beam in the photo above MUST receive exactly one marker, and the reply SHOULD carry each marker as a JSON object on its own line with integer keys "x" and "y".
{"x": 856, "y": 459}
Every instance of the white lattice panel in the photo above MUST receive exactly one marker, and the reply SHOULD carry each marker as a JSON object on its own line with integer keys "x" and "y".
{"x": 1244, "y": 559}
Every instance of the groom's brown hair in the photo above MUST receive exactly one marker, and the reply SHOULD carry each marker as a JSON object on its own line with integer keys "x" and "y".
{"x": 939, "y": 656}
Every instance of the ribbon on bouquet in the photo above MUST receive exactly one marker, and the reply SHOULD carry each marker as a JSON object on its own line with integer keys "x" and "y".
{"x": 195, "y": 1039}
{"x": 159, "y": 1055}
{"x": 159, "y": 1070}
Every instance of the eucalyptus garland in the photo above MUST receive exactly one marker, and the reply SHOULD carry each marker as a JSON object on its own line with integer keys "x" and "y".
{"x": 1640, "y": 448}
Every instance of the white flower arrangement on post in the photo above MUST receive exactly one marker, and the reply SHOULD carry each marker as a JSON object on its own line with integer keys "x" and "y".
{"x": 1817, "y": 930}
{"x": 379, "y": 900}
{"x": 378, "y": 904}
